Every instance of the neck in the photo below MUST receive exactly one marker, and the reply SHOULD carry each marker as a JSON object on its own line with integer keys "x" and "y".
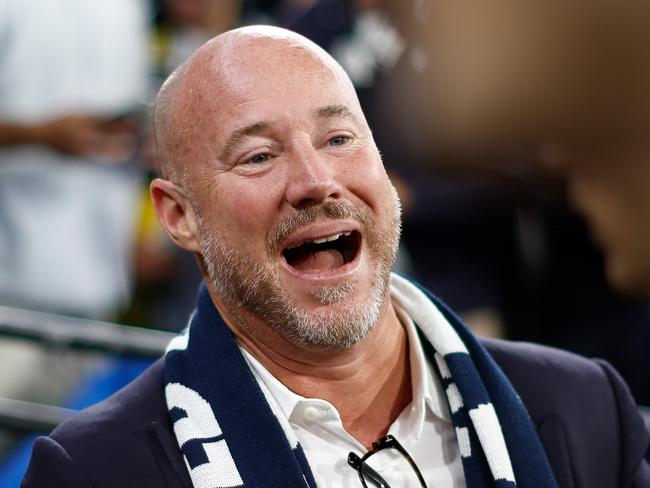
{"x": 369, "y": 383}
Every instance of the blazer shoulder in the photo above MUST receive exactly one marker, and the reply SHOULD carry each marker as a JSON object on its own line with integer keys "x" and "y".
{"x": 588, "y": 401}
{"x": 140, "y": 402}
{"x": 125, "y": 440}
{"x": 551, "y": 381}
{"x": 117, "y": 428}
{"x": 530, "y": 358}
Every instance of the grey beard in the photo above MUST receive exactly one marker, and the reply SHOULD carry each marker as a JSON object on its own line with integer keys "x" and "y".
{"x": 244, "y": 283}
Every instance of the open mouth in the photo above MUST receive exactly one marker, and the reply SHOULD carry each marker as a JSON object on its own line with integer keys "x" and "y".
{"x": 325, "y": 254}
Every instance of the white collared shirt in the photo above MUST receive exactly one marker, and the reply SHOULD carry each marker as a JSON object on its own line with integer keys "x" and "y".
{"x": 424, "y": 428}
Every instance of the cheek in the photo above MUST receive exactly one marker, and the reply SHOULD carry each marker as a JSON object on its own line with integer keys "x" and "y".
{"x": 245, "y": 213}
{"x": 368, "y": 180}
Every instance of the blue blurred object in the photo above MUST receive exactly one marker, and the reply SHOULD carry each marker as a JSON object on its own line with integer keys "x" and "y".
{"x": 105, "y": 379}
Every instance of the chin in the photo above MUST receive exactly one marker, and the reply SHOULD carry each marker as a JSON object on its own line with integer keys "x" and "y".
{"x": 345, "y": 293}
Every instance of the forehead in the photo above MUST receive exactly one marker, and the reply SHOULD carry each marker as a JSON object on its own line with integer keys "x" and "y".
{"x": 266, "y": 80}
{"x": 257, "y": 56}
{"x": 234, "y": 84}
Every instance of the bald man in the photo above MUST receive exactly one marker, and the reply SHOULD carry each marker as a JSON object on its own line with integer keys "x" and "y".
{"x": 306, "y": 362}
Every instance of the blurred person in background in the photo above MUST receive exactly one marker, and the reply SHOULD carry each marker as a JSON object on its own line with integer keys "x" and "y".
{"x": 73, "y": 74}
{"x": 611, "y": 186}
{"x": 605, "y": 157}
{"x": 573, "y": 79}
{"x": 182, "y": 26}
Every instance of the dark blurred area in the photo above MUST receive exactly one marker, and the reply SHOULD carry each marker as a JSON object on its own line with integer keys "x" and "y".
{"x": 515, "y": 132}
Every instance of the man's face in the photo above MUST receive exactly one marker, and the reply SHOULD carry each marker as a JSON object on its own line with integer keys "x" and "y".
{"x": 612, "y": 189}
{"x": 297, "y": 220}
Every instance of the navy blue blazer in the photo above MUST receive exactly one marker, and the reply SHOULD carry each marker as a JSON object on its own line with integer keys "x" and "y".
{"x": 586, "y": 419}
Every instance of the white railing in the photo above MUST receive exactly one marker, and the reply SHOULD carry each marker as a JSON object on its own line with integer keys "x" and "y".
{"x": 71, "y": 332}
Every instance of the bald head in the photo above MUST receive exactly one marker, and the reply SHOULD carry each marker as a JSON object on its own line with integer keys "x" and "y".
{"x": 191, "y": 100}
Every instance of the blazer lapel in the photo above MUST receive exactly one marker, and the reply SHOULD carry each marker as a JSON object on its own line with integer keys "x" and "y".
{"x": 169, "y": 456}
{"x": 551, "y": 434}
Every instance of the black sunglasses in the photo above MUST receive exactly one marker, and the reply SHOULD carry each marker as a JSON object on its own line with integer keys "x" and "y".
{"x": 369, "y": 477}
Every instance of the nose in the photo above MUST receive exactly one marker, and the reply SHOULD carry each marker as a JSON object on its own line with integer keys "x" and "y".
{"x": 312, "y": 180}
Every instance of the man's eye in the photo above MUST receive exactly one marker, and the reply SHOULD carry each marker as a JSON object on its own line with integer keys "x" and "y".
{"x": 259, "y": 158}
{"x": 338, "y": 140}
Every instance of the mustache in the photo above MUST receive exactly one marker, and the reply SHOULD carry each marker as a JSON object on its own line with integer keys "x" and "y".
{"x": 309, "y": 215}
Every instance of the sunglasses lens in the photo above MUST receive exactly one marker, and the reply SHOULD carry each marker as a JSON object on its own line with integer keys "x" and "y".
{"x": 388, "y": 468}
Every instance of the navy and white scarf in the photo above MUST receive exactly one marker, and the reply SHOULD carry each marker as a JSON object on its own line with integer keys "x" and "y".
{"x": 231, "y": 436}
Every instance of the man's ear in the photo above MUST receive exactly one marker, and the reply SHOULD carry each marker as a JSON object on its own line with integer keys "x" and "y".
{"x": 175, "y": 214}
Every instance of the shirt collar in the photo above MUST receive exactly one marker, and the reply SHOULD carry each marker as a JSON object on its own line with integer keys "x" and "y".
{"x": 427, "y": 389}
{"x": 284, "y": 397}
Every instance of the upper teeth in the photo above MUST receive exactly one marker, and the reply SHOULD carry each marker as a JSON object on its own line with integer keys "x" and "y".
{"x": 326, "y": 239}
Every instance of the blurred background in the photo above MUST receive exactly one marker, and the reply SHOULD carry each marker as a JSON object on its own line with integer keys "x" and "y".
{"x": 516, "y": 133}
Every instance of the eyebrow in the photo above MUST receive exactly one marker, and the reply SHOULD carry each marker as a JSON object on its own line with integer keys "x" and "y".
{"x": 239, "y": 134}
{"x": 337, "y": 111}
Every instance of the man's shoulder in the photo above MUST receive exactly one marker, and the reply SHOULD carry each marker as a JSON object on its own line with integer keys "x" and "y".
{"x": 584, "y": 412}
{"x": 551, "y": 379}
{"x": 125, "y": 440}
{"x": 127, "y": 412}
{"x": 552, "y": 382}
{"x": 528, "y": 357}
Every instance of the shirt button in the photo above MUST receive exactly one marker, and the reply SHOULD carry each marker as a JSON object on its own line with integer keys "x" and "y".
{"x": 312, "y": 413}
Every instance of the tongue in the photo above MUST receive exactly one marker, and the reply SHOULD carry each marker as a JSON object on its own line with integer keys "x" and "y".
{"x": 318, "y": 261}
